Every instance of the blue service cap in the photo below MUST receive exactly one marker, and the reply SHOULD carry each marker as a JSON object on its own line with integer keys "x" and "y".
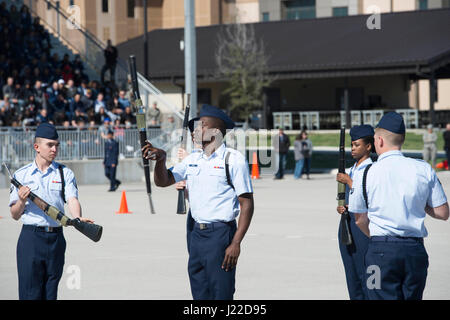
{"x": 192, "y": 123}
{"x": 393, "y": 122}
{"x": 211, "y": 111}
{"x": 358, "y": 132}
{"x": 46, "y": 130}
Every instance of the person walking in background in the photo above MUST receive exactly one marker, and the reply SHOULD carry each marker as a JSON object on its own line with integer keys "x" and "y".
{"x": 446, "y": 135}
{"x": 111, "y": 55}
{"x": 299, "y": 158}
{"x": 154, "y": 115}
{"x": 282, "y": 149}
{"x": 111, "y": 160}
{"x": 429, "y": 145}
{"x": 307, "y": 148}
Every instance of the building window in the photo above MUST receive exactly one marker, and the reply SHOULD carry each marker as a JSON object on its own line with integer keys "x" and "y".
{"x": 130, "y": 8}
{"x": 104, "y": 5}
{"x": 445, "y": 3}
{"x": 265, "y": 16}
{"x": 300, "y": 9}
{"x": 71, "y": 3}
{"x": 423, "y": 4}
{"x": 340, "y": 11}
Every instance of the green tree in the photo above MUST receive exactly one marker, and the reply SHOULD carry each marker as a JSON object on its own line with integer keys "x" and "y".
{"x": 241, "y": 60}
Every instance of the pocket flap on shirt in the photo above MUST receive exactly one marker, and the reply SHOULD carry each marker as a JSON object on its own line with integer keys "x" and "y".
{"x": 55, "y": 186}
{"x": 217, "y": 171}
{"x": 192, "y": 171}
{"x": 32, "y": 185}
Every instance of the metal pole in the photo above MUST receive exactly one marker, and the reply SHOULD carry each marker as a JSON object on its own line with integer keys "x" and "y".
{"x": 57, "y": 18}
{"x": 190, "y": 54}
{"x": 433, "y": 97}
{"x": 348, "y": 120}
{"x": 145, "y": 41}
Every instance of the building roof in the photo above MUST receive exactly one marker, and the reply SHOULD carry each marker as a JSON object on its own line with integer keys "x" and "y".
{"x": 413, "y": 43}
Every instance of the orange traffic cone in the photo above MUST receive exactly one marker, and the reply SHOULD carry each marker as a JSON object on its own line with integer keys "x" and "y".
{"x": 123, "y": 205}
{"x": 440, "y": 165}
{"x": 255, "y": 167}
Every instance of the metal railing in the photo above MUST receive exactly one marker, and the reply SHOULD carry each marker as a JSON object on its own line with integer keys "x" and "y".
{"x": 16, "y": 145}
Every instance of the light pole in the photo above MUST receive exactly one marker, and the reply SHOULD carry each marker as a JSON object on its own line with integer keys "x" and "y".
{"x": 190, "y": 54}
{"x": 145, "y": 41}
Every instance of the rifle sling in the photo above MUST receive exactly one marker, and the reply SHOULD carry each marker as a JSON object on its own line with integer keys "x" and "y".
{"x": 364, "y": 185}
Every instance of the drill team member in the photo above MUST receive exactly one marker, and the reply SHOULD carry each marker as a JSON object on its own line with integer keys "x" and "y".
{"x": 353, "y": 255}
{"x": 220, "y": 189}
{"x": 41, "y": 245}
{"x": 391, "y": 210}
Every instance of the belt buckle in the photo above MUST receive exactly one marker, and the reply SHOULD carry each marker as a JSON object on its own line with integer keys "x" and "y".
{"x": 203, "y": 226}
{"x": 49, "y": 229}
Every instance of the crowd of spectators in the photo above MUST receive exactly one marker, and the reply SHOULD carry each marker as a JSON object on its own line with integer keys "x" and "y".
{"x": 37, "y": 86}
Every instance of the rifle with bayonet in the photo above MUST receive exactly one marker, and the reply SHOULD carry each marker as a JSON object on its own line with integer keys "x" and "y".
{"x": 90, "y": 230}
{"x": 181, "y": 204}
{"x": 346, "y": 236}
{"x": 142, "y": 127}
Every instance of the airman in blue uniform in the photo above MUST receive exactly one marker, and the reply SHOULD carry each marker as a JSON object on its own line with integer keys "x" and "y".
{"x": 111, "y": 160}
{"x": 353, "y": 255}
{"x": 216, "y": 199}
{"x": 391, "y": 210}
{"x": 41, "y": 245}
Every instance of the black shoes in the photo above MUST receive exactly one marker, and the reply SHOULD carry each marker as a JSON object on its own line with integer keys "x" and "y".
{"x": 118, "y": 182}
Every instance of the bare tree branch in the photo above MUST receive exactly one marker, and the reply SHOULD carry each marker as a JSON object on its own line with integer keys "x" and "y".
{"x": 241, "y": 59}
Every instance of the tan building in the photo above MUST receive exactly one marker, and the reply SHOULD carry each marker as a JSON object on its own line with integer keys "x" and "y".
{"x": 121, "y": 20}
{"x": 314, "y": 61}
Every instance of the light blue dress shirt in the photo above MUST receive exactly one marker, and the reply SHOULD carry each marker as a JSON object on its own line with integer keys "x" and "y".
{"x": 356, "y": 173}
{"x": 46, "y": 185}
{"x": 398, "y": 189}
{"x": 211, "y": 198}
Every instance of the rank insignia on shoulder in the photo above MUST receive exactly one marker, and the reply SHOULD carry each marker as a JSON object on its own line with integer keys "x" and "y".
{"x": 193, "y": 165}
{"x": 351, "y": 190}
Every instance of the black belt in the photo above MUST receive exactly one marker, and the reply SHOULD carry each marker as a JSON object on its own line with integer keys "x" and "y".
{"x": 396, "y": 239}
{"x": 42, "y": 229}
{"x": 212, "y": 225}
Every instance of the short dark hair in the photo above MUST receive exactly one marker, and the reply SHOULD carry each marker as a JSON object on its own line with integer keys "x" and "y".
{"x": 369, "y": 140}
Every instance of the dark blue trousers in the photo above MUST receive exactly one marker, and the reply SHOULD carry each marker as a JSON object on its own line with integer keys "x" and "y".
{"x": 40, "y": 263}
{"x": 110, "y": 173}
{"x": 206, "y": 253}
{"x": 281, "y": 165}
{"x": 353, "y": 259}
{"x": 403, "y": 265}
{"x": 190, "y": 222}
